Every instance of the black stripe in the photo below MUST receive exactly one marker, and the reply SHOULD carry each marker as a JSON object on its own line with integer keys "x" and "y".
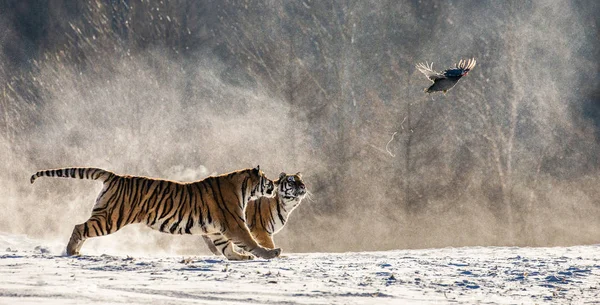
{"x": 165, "y": 203}
{"x": 184, "y": 201}
{"x": 163, "y": 226}
{"x": 103, "y": 230}
{"x": 160, "y": 202}
{"x": 216, "y": 198}
{"x": 133, "y": 195}
{"x": 174, "y": 227}
{"x": 142, "y": 190}
{"x": 153, "y": 205}
{"x": 180, "y": 209}
{"x": 256, "y": 211}
{"x": 244, "y": 185}
{"x": 279, "y": 213}
{"x": 116, "y": 197}
{"x": 223, "y": 251}
{"x": 219, "y": 242}
{"x": 189, "y": 225}
{"x": 102, "y": 193}
{"x": 198, "y": 204}
{"x": 271, "y": 220}
{"x": 208, "y": 215}
{"x": 196, "y": 211}
{"x": 238, "y": 218}
{"x": 127, "y": 186}
{"x": 190, "y": 220}
{"x": 146, "y": 208}
{"x": 260, "y": 217}
{"x": 168, "y": 204}
{"x": 171, "y": 208}
{"x": 94, "y": 225}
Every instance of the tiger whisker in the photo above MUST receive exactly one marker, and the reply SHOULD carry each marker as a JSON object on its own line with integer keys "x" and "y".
{"x": 309, "y": 196}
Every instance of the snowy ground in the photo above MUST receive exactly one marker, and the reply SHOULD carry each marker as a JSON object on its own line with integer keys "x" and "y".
{"x": 32, "y": 273}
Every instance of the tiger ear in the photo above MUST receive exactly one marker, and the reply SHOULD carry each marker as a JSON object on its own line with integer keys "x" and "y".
{"x": 299, "y": 174}
{"x": 282, "y": 175}
{"x": 257, "y": 168}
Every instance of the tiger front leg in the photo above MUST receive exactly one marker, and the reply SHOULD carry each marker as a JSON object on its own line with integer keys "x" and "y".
{"x": 224, "y": 246}
{"x": 264, "y": 239}
{"x": 243, "y": 239}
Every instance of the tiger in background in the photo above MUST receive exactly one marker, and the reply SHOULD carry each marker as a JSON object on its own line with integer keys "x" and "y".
{"x": 212, "y": 207}
{"x": 267, "y": 216}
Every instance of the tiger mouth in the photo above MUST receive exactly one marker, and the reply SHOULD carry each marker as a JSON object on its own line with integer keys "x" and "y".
{"x": 294, "y": 196}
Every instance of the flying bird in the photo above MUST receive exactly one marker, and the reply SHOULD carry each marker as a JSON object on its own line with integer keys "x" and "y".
{"x": 445, "y": 80}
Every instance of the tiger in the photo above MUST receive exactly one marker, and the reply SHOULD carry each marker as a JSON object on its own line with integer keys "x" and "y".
{"x": 212, "y": 207}
{"x": 267, "y": 216}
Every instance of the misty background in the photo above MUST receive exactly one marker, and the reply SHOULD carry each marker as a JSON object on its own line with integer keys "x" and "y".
{"x": 186, "y": 89}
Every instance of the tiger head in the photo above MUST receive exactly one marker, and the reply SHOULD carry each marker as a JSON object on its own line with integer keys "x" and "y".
{"x": 291, "y": 187}
{"x": 261, "y": 185}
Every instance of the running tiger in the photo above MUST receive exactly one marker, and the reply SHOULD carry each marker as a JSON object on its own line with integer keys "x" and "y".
{"x": 267, "y": 216}
{"x": 212, "y": 207}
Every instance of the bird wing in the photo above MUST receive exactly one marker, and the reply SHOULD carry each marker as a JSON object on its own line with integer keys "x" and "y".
{"x": 466, "y": 65}
{"x": 428, "y": 71}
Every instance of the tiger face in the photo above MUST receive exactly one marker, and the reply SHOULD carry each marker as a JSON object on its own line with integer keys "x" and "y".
{"x": 291, "y": 187}
{"x": 263, "y": 187}
{"x": 267, "y": 216}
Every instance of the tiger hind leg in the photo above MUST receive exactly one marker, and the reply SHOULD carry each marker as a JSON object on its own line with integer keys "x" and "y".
{"x": 76, "y": 240}
{"x": 263, "y": 239}
{"x": 211, "y": 245}
{"x": 93, "y": 227}
{"x": 224, "y": 246}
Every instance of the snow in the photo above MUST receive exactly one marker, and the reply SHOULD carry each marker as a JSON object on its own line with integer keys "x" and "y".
{"x": 34, "y": 271}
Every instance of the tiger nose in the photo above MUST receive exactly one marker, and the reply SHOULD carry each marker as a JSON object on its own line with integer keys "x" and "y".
{"x": 302, "y": 189}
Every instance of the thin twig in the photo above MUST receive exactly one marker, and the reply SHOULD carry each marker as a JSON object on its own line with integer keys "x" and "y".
{"x": 388, "y": 143}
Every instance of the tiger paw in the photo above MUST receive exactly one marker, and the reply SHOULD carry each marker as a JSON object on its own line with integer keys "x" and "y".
{"x": 241, "y": 257}
{"x": 234, "y": 256}
{"x": 267, "y": 253}
{"x": 71, "y": 252}
{"x": 276, "y": 252}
